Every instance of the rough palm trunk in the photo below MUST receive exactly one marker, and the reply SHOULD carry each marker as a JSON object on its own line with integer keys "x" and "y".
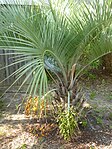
{"x": 107, "y": 63}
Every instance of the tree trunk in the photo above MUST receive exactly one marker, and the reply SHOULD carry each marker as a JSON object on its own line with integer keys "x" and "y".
{"x": 107, "y": 63}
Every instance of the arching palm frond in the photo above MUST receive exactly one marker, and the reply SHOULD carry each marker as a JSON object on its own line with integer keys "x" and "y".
{"x": 53, "y": 40}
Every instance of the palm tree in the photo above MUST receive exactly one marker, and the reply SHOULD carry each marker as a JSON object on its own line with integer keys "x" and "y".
{"x": 55, "y": 40}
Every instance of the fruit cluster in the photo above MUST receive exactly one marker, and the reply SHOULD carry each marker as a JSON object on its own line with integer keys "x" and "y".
{"x": 34, "y": 106}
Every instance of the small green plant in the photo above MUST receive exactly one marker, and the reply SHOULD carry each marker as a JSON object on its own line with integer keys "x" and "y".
{"x": 98, "y": 115}
{"x": 110, "y": 97}
{"x": 84, "y": 123}
{"x": 24, "y": 146}
{"x": 110, "y": 116}
{"x": 91, "y": 76}
{"x": 92, "y": 95}
{"x": 99, "y": 120}
{"x": 96, "y": 64}
{"x": 92, "y": 147}
{"x": 68, "y": 125}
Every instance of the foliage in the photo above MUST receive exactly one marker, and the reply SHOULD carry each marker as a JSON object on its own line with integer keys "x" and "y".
{"x": 50, "y": 39}
{"x": 68, "y": 125}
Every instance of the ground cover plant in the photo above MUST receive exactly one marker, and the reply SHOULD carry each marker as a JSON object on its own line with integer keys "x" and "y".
{"x": 56, "y": 41}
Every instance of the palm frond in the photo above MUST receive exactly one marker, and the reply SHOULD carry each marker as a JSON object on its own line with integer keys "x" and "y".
{"x": 51, "y": 38}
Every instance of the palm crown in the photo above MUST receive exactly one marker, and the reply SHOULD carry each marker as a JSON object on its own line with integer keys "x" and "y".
{"x": 55, "y": 41}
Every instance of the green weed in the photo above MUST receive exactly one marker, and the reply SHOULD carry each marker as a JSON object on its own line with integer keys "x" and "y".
{"x": 24, "y": 146}
{"x": 109, "y": 97}
{"x": 99, "y": 120}
{"x": 92, "y": 95}
{"x": 110, "y": 116}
